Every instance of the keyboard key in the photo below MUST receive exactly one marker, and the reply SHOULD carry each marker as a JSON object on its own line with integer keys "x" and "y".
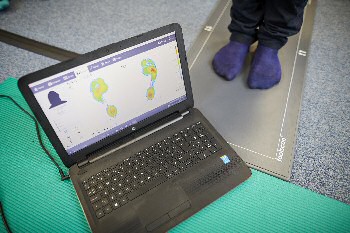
{"x": 105, "y": 193}
{"x": 176, "y": 171}
{"x": 213, "y": 149}
{"x": 193, "y": 151}
{"x": 182, "y": 167}
{"x": 100, "y": 187}
{"x": 127, "y": 189}
{"x": 148, "y": 177}
{"x": 95, "y": 198}
{"x": 194, "y": 137}
{"x": 184, "y": 157}
{"x": 188, "y": 162}
{"x": 187, "y": 135}
{"x": 112, "y": 197}
{"x": 115, "y": 204}
{"x": 123, "y": 201}
{"x": 107, "y": 183}
{"x": 127, "y": 180}
{"x": 141, "y": 182}
{"x": 175, "y": 163}
{"x": 169, "y": 175}
{"x": 113, "y": 189}
{"x": 215, "y": 143}
{"x": 86, "y": 186}
{"x": 99, "y": 179}
{"x": 97, "y": 205}
{"x": 130, "y": 171}
{"x": 92, "y": 182}
{"x": 185, "y": 146}
{"x": 104, "y": 201}
{"x": 107, "y": 209}
{"x": 99, "y": 213}
{"x": 207, "y": 143}
{"x": 204, "y": 154}
{"x": 197, "y": 128}
{"x": 134, "y": 177}
{"x": 91, "y": 191}
{"x": 134, "y": 185}
{"x": 114, "y": 179}
{"x": 171, "y": 168}
{"x": 105, "y": 170}
{"x": 204, "y": 133}
{"x": 195, "y": 160}
{"x": 119, "y": 193}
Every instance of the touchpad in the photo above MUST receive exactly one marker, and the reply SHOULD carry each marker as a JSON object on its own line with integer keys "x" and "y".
{"x": 161, "y": 204}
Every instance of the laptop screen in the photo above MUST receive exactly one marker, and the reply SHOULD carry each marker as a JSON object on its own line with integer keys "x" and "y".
{"x": 100, "y": 98}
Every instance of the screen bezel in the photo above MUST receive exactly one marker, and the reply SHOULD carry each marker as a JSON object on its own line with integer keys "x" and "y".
{"x": 82, "y": 155}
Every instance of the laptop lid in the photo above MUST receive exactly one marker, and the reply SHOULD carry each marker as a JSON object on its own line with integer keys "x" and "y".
{"x": 95, "y": 99}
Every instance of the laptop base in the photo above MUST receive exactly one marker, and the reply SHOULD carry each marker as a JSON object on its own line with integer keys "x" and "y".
{"x": 173, "y": 201}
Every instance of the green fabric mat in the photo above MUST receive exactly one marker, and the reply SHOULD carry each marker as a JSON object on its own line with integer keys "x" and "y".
{"x": 35, "y": 200}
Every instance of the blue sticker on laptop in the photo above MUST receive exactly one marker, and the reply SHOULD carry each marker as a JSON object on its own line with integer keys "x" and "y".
{"x": 225, "y": 159}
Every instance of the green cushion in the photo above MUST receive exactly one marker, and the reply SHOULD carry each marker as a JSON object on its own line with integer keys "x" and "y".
{"x": 35, "y": 200}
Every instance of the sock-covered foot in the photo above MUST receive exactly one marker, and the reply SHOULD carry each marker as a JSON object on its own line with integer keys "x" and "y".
{"x": 265, "y": 71}
{"x": 229, "y": 61}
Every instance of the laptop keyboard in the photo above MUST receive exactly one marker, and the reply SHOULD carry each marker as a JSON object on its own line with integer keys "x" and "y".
{"x": 117, "y": 185}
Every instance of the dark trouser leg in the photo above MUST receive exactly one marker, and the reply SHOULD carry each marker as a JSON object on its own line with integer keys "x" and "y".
{"x": 246, "y": 16}
{"x": 282, "y": 18}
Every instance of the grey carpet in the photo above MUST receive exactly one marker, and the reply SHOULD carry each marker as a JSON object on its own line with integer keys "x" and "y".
{"x": 82, "y": 26}
{"x": 322, "y": 154}
{"x": 18, "y": 62}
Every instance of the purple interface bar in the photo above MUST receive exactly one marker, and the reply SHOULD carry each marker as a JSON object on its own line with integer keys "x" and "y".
{"x": 131, "y": 53}
{"x": 53, "y": 82}
{"x": 106, "y": 62}
{"x": 129, "y": 123}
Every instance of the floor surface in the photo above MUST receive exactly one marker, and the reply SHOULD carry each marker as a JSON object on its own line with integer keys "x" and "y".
{"x": 322, "y": 152}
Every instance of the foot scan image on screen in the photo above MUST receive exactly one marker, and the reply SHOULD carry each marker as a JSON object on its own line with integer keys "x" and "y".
{"x": 114, "y": 91}
{"x": 149, "y": 69}
{"x": 98, "y": 88}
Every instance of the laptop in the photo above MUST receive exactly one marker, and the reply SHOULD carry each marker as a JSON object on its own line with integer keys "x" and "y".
{"x": 122, "y": 119}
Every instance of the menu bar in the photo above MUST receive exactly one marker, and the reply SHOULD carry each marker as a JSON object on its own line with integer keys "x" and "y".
{"x": 103, "y": 63}
{"x": 131, "y": 53}
{"x": 53, "y": 82}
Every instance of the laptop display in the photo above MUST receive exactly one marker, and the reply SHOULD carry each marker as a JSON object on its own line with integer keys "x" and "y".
{"x": 115, "y": 92}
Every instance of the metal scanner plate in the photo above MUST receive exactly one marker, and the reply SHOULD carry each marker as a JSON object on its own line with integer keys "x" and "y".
{"x": 259, "y": 124}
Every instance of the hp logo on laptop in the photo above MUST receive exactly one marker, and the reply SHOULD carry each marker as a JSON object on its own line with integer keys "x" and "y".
{"x": 133, "y": 128}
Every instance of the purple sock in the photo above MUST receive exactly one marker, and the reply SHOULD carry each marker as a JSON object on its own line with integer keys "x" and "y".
{"x": 229, "y": 61}
{"x": 265, "y": 71}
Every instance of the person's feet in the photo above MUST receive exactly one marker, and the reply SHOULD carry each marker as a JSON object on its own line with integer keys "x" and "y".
{"x": 265, "y": 71}
{"x": 229, "y": 60}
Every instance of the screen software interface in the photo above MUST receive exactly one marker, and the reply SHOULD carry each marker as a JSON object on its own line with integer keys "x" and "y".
{"x": 95, "y": 100}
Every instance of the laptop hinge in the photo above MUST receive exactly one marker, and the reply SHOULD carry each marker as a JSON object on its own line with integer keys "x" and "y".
{"x": 135, "y": 139}
{"x": 185, "y": 113}
{"x": 82, "y": 164}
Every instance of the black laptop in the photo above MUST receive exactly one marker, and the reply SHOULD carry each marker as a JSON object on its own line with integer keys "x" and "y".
{"x": 141, "y": 158}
